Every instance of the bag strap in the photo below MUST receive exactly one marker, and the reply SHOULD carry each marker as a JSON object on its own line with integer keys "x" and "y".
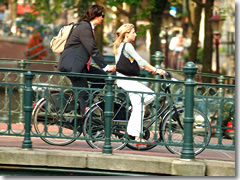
{"x": 123, "y": 47}
{"x": 74, "y": 25}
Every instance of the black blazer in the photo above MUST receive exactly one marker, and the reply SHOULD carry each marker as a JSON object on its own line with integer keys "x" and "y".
{"x": 79, "y": 47}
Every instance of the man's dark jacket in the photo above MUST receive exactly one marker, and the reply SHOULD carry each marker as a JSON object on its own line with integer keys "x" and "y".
{"x": 79, "y": 47}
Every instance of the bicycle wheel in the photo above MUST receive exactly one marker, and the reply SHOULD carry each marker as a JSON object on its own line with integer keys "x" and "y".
{"x": 93, "y": 128}
{"x": 147, "y": 135}
{"x": 51, "y": 128}
{"x": 171, "y": 131}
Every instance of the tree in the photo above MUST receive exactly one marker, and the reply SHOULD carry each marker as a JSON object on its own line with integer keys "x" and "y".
{"x": 131, "y": 14}
{"x": 99, "y": 31}
{"x": 156, "y": 8}
{"x": 195, "y": 25}
{"x": 49, "y": 10}
{"x": 208, "y": 39}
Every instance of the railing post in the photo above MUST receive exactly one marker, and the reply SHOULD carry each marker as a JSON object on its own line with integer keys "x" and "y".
{"x": 187, "y": 152}
{"x": 28, "y": 107}
{"x": 158, "y": 59}
{"x": 22, "y": 65}
{"x": 108, "y": 114}
{"x": 220, "y": 110}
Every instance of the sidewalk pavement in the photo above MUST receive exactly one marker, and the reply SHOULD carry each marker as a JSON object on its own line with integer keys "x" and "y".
{"x": 79, "y": 155}
{"x": 37, "y": 143}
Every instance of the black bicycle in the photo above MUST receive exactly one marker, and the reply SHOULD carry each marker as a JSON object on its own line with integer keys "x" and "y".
{"x": 166, "y": 118}
{"x": 57, "y": 119}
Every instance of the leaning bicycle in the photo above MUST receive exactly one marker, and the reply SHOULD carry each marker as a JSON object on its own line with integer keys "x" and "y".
{"x": 57, "y": 119}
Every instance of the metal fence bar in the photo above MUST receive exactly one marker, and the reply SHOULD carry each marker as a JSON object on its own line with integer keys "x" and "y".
{"x": 187, "y": 151}
{"x": 28, "y": 93}
{"x": 108, "y": 113}
{"x": 220, "y": 109}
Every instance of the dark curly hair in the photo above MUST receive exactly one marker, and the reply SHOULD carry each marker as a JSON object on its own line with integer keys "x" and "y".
{"x": 92, "y": 12}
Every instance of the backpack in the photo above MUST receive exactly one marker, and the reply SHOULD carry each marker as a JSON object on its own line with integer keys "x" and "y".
{"x": 57, "y": 44}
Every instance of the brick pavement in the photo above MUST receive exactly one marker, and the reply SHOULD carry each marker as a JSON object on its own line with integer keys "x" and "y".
{"x": 80, "y": 145}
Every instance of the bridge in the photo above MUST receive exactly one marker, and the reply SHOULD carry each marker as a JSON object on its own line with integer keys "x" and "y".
{"x": 23, "y": 151}
{"x": 79, "y": 159}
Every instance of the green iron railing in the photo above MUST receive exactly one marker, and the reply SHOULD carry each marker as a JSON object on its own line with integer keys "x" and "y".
{"x": 204, "y": 96}
{"x": 188, "y": 92}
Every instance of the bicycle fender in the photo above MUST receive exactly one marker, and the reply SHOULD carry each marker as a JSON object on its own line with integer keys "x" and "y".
{"x": 167, "y": 113}
{"x": 88, "y": 109}
{"x": 37, "y": 104}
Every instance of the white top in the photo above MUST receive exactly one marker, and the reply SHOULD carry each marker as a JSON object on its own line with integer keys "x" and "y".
{"x": 130, "y": 52}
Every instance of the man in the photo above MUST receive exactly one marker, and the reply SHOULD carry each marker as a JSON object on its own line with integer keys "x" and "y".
{"x": 80, "y": 47}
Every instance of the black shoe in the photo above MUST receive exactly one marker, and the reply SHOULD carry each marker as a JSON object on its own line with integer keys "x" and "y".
{"x": 131, "y": 137}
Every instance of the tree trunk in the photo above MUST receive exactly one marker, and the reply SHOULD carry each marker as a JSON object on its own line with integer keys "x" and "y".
{"x": 208, "y": 39}
{"x": 118, "y": 16}
{"x": 195, "y": 33}
{"x": 13, "y": 10}
{"x": 132, "y": 19}
{"x": 156, "y": 19}
{"x": 99, "y": 37}
{"x": 99, "y": 32}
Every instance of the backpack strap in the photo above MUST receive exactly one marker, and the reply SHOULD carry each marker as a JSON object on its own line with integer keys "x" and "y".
{"x": 74, "y": 25}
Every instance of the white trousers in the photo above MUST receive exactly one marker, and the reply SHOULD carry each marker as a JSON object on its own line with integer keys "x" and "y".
{"x": 134, "y": 127}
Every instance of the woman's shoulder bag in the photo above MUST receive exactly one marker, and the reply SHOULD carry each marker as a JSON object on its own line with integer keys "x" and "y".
{"x": 128, "y": 67}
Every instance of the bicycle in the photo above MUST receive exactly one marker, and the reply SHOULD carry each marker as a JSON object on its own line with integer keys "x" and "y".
{"x": 56, "y": 123}
{"x": 170, "y": 128}
{"x": 59, "y": 122}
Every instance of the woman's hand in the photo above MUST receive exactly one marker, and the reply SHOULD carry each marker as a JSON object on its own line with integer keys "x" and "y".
{"x": 160, "y": 72}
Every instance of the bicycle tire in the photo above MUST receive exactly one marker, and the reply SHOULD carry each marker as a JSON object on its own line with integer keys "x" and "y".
{"x": 93, "y": 127}
{"x": 146, "y": 136}
{"x": 172, "y": 132}
{"x": 47, "y": 123}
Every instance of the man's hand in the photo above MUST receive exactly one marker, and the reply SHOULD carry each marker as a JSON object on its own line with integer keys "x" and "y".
{"x": 112, "y": 68}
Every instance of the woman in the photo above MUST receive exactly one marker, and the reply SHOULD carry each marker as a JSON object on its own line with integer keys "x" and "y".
{"x": 125, "y": 35}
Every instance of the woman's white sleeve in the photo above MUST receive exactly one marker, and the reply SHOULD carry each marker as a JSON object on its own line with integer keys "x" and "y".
{"x": 129, "y": 49}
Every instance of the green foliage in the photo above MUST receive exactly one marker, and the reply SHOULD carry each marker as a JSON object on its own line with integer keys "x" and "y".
{"x": 223, "y": 71}
{"x": 142, "y": 29}
{"x": 224, "y": 11}
{"x": 199, "y": 59}
{"x": 175, "y": 2}
{"x": 117, "y": 2}
{"x": 200, "y": 55}
{"x": 51, "y": 10}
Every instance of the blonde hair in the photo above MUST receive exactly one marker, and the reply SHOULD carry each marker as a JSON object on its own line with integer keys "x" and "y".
{"x": 120, "y": 35}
